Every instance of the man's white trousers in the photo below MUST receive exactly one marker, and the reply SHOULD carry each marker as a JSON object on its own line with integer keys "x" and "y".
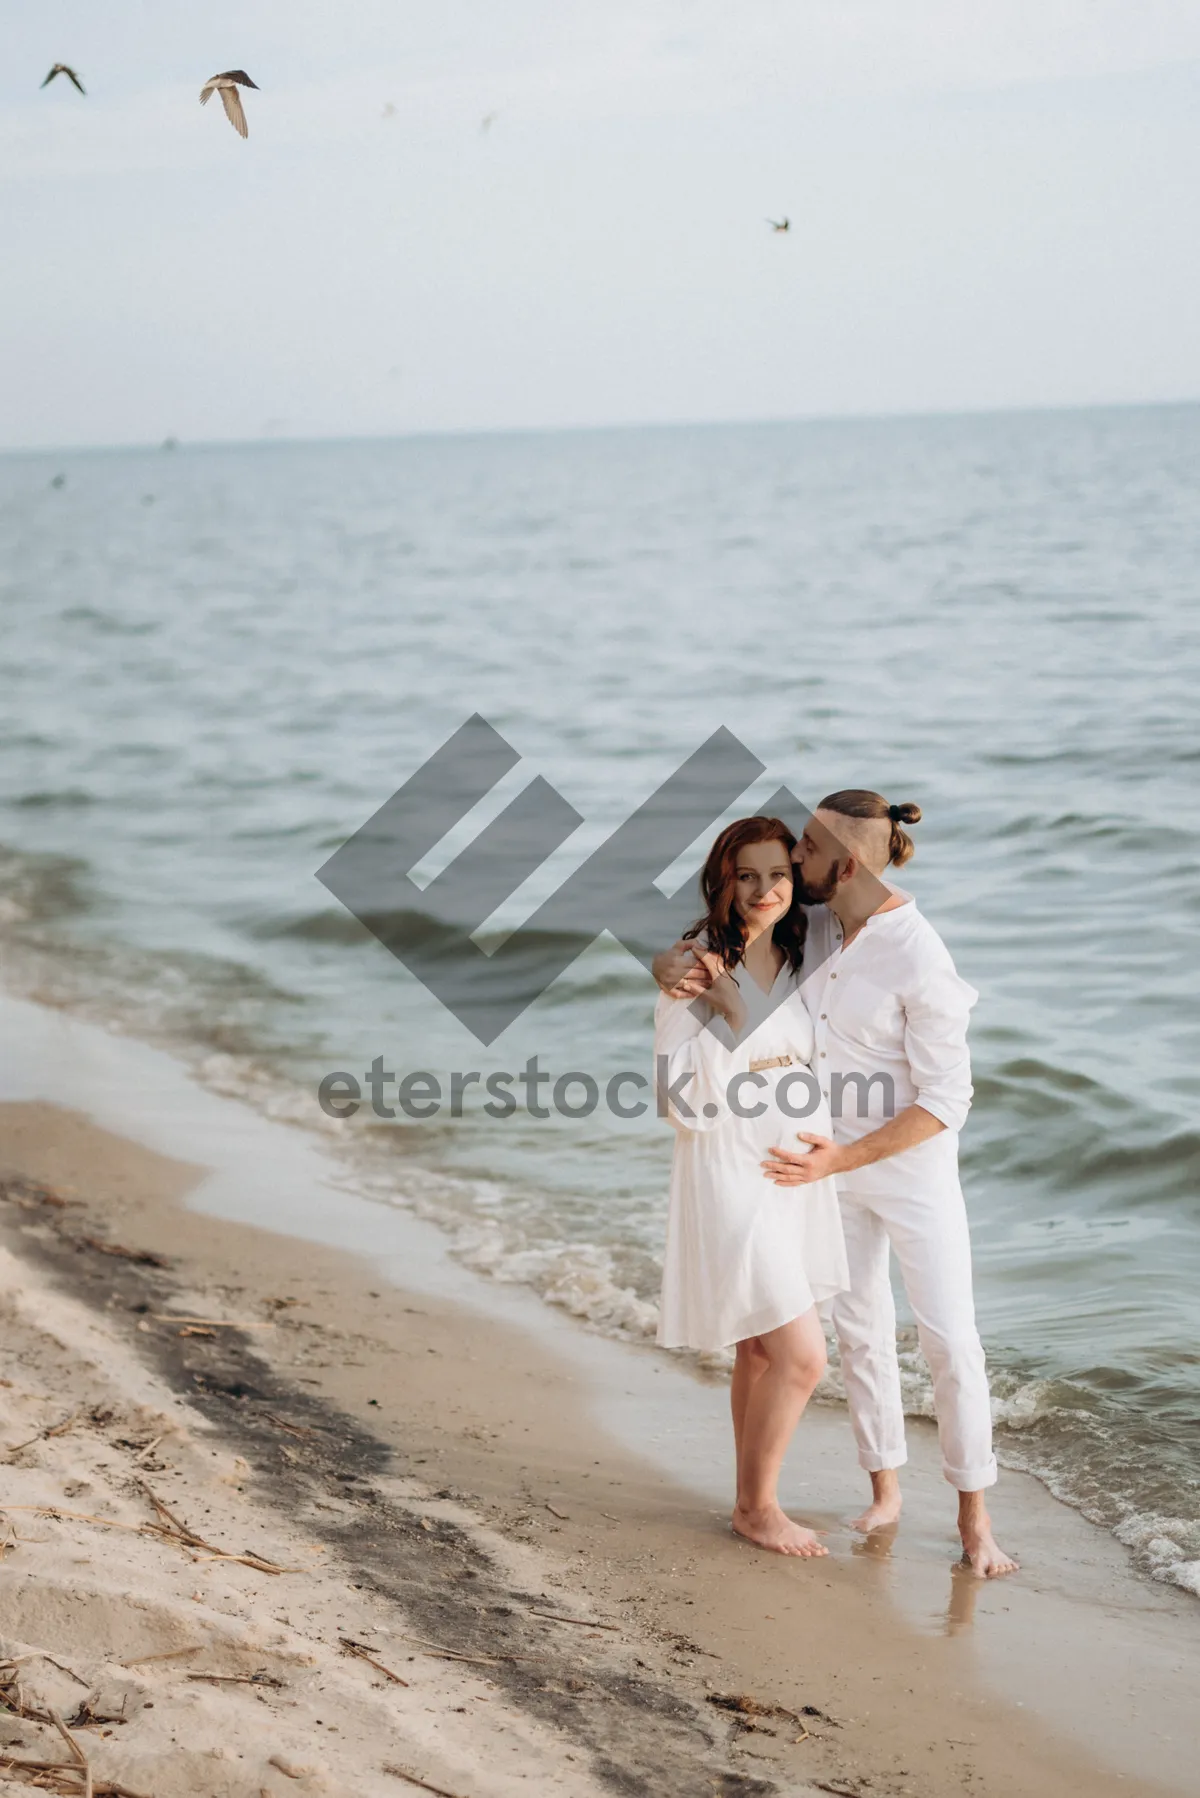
{"x": 929, "y": 1235}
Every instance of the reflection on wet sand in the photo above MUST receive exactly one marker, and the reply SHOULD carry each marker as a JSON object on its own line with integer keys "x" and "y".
{"x": 877, "y": 1543}
{"x": 965, "y": 1588}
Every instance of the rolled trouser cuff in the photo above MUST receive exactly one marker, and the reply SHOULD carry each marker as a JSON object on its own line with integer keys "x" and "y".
{"x": 882, "y": 1463}
{"x": 973, "y": 1479}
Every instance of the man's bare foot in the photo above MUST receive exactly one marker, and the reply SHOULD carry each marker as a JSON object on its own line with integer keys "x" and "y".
{"x": 981, "y": 1552}
{"x": 885, "y": 1506}
{"x": 879, "y": 1514}
{"x": 772, "y": 1528}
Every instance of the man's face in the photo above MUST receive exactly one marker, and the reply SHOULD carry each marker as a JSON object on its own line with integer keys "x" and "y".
{"x": 818, "y": 859}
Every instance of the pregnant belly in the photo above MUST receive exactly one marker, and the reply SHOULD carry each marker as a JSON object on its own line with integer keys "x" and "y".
{"x": 788, "y": 1101}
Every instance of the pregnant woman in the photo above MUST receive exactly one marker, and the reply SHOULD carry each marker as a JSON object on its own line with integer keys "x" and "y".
{"x": 748, "y": 1262}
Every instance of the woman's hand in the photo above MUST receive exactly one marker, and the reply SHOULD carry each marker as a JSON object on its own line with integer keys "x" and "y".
{"x": 788, "y": 1167}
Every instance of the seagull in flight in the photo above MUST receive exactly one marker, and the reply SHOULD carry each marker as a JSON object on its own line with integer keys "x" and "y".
{"x": 783, "y": 224}
{"x": 61, "y": 68}
{"x": 227, "y": 86}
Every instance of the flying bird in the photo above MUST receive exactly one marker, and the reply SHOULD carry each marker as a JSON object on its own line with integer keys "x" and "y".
{"x": 488, "y": 120}
{"x": 61, "y": 68}
{"x": 389, "y": 111}
{"x": 227, "y": 86}
{"x": 783, "y": 224}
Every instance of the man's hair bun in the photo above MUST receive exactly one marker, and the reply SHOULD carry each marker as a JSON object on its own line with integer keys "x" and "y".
{"x": 860, "y": 802}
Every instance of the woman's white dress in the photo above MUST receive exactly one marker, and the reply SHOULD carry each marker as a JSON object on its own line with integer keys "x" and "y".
{"x": 743, "y": 1255}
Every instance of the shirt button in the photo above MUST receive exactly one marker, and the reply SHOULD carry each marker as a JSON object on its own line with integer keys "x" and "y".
{"x": 833, "y": 976}
{"x": 824, "y": 1015}
{"x": 822, "y": 1054}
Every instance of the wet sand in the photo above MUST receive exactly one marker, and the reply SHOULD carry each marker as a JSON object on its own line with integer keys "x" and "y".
{"x": 459, "y": 1459}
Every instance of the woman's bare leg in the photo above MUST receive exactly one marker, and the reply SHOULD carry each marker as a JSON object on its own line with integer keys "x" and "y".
{"x": 751, "y": 1362}
{"x": 773, "y": 1407}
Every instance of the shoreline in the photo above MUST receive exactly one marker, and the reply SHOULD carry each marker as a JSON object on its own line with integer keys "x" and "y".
{"x": 598, "y": 1458}
{"x": 1064, "y": 1404}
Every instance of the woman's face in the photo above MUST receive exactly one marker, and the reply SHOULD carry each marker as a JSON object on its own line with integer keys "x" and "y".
{"x": 762, "y": 892}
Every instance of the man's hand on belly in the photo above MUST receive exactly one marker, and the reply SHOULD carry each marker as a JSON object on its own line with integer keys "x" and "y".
{"x": 786, "y": 1167}
{"x": 825, "y": 1158}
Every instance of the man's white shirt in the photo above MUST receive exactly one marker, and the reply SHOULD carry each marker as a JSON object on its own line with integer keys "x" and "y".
{"x": 891, "y": 1014}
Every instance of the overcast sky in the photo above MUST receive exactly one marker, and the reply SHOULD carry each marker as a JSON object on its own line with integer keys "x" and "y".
{"x": 992, "y": 204}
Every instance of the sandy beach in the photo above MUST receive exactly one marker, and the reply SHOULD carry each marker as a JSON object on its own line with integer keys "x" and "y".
{"x": 232, "y": 1453}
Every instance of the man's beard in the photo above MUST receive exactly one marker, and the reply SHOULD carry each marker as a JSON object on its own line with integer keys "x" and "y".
{"x": 805, "y": 892}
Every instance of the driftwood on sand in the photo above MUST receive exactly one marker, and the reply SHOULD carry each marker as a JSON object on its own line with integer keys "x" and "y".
{"x": 166, "y": 1526}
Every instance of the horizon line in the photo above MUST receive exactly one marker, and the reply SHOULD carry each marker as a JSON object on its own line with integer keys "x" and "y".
{"x": 563, "y": 430}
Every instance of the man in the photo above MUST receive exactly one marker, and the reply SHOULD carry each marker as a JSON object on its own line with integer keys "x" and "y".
{"x": 890, "y": 1014}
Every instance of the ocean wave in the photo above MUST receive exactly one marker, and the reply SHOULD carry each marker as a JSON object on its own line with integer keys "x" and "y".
{"x": 44, "y": 887}
{"x": 1088, "y": 1137}
{"x": 333, "y": 924}
{"x": 416, "y": 929}
{"x": 625, "y": 980}
{"x": 1038, "y": 758}
{"x": 1168, "y": 1548}
{"x": 108, "y": 624}
{"x": 1039, "y": 1088}
{"x": 576, "y": 1277}
{"x": 66, "y": 797}
{"x": 191, "y": 1003}
{"x": 1148, "y": 1172}
{"x": 1070, "y": 829}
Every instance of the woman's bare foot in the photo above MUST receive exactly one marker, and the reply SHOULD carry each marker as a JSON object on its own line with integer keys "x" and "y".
{"x": 772, "y": 1528}
{"x": 981, "y": 1552}
{"x": 886, "y": 1503}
